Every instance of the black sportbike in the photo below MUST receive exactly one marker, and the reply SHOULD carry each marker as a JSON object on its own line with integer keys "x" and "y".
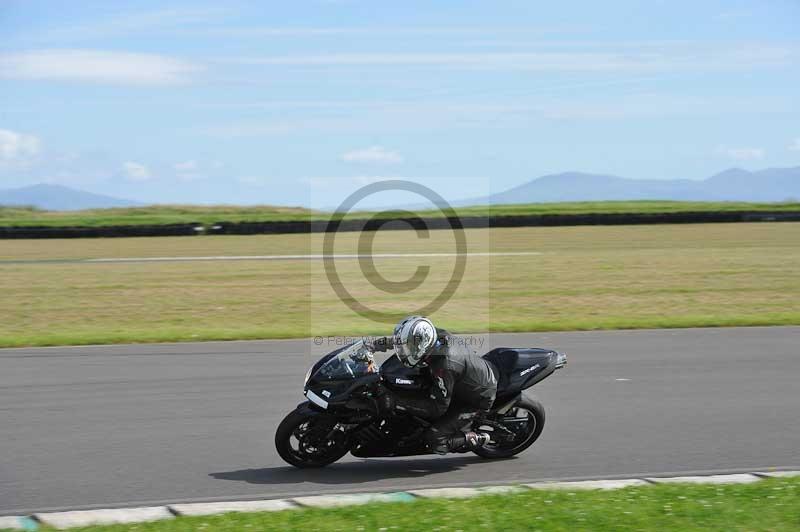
{"x": 341, "y": 414}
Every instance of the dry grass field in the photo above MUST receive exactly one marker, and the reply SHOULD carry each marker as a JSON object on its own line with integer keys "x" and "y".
{"x": 581, "y": 278}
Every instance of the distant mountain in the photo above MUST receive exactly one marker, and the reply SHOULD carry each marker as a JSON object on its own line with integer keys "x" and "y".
{"x": 735, "y": 184}
{"x": 773, "y": 184}
{"x": 59, "y": 198}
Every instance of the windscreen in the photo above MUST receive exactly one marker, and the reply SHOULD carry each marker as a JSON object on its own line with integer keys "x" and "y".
{"x": 351, "y": 363}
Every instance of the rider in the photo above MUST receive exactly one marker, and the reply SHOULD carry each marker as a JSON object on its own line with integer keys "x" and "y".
{"x": 463, "y": 385}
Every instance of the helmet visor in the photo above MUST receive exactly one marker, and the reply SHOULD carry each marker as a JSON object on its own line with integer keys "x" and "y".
{"x": 407, "y": 356}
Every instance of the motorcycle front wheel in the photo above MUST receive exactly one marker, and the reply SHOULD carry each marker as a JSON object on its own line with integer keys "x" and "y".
{"x": 309, "y": 439}
{"x": 525, "y": 420}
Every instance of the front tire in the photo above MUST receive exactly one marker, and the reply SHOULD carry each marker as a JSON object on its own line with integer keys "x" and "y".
{"x": 528, "y": 415}
{"x": 307, "y": 439}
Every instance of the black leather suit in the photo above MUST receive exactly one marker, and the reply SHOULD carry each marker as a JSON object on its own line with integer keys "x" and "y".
{"x": 463, "y": 385}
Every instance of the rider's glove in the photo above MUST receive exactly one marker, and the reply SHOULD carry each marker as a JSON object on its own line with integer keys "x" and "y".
{"x": 379, "y": 344}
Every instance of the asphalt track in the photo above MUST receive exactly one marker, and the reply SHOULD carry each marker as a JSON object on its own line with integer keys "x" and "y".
{"x": 127, "y": 425}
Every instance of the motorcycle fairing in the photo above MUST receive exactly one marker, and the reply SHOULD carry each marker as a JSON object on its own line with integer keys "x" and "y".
{"x": 521, "y": 368}
{"x": 399, "y": 377}
{"x": 337, "y": 374}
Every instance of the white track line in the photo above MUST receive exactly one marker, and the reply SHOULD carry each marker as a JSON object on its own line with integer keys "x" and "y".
{"x": 315, "y": 257}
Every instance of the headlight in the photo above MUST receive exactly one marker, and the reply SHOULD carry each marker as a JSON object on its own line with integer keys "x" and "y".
{"x": 308, "y": 375}
{"x": 561, "y": 360}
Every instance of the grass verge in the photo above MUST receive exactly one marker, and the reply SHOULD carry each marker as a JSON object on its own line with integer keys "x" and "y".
{"x": 584, "y": 278}
{"x": 175, "y": 214}
{"x": 772, "y": 504}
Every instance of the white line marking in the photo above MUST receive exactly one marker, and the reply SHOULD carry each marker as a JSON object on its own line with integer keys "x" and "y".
{"x": 738, "y": 478}
{"x": 449, "y": 493}
{"x": 315, "y": 257}
{"x": 13, "y": 522}
{"x": 109, "y": 516}
{"x": 211, "y": 508}
{"x": 590, "y": 484}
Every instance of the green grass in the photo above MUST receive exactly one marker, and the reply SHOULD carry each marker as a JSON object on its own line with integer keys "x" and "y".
{"x": 150, "y": 215}
{"x": 766, "y": 505}
{"x": 207, "y": 215}
{"x": 616, "y": 207}
{"x": 585, "y": 278}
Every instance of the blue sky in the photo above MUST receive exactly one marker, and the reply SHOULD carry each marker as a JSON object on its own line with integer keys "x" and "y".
{"x": 301, "y": 103}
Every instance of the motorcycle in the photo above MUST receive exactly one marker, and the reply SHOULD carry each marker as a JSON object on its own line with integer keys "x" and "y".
{"x": 341, "y": 413}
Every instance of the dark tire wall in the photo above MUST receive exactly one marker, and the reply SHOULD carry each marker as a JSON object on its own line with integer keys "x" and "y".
{"x": 534, "y": 407}
{"x": 100, "y": 232}
{"x": 467, "y": 222}
{"x": 284, "y": 432}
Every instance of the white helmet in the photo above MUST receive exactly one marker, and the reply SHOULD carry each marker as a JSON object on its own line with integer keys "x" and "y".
{"x": 413, "y": 339}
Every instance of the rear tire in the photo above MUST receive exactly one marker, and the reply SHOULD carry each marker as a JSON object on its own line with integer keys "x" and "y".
{"x": 307, "y": 429}
{"x": 535, "y": 424}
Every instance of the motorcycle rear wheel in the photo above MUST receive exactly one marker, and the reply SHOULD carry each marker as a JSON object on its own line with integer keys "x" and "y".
{"x": 302, "y": 440}
{"x": 529, "y": 410}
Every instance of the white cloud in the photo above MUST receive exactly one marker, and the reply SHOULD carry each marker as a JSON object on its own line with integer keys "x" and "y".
{"x": 441, "y": 113}
{"x": 742, "y": 154}
{"x": 132, "y": 23}
{"x": 339, "y": 183}
{"x": 373, "y": 154}
{"x": 136, "y": 171}
{"x": 187, "y": 171}
{"x": 258, "y": 129}
{"x": 185, "y": 166}
{"x": 627, "y": 56}
{"x": 317, "y": 182}
{"x": 795, "y": 145}
{"x": 95, "y": 66}
{"x": 365, "y": 180}
{"x": 253, "y": 180}
{"x": 274, "y": 31}
{"x": 734, "y": 14}
{"x": 16, "y": 147}
{"x": 191, "y": 177}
